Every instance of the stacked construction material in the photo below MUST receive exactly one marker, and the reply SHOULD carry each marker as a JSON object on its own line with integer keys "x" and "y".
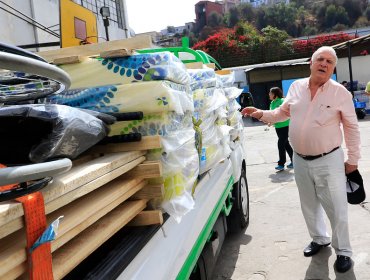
{"x": 209, "y": 111}
{"x": 97, "y": 197}
{"x": 158, "y": 85}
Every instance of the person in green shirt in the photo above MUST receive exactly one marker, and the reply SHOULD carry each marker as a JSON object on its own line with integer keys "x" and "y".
{"x": 367, "y": 89}
{"x": 282, "y": 130}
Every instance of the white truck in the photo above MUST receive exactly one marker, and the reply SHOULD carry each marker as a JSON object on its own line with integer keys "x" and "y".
{"x": 173, "y": 250}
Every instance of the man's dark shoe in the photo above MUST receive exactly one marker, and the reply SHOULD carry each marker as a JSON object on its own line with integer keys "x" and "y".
{"x": 343, "y": 263}
{"x": 313, "y": 248}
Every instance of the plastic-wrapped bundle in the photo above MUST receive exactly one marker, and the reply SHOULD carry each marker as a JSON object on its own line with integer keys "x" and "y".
{"x": 225, "y": 80}
{"x": 208, "y": 100}
{"x": 154, "y": 124}
{"x": 178, "y": 155}
{"x": 202, "y": 78}
{"x": 180, "y": 172}
{"x": 233, "y": 106}
{"x": 122, "y": 70}
{"x": 232, "y": 92}
{"x": 159, "y": 96}
{"x": 43, "y": 132}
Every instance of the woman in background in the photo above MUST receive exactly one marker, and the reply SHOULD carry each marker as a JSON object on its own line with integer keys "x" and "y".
{"x": 282, "y": 130}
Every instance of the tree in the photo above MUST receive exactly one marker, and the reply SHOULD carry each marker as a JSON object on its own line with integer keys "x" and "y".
{"x": 171, "y": 29}
{"x": 275, "y": 43}
{"x": 214, "y": 20}
{"x": 206, "y": 32}
{"x": 260, "y": 18}
{"x": 233, "y": 17}
{"x": 247, "y": 12}
{"x": 283, "y": 17}
{"x": 367, "y": 13}
{"x": 335, "y": 15}
{"x": 353, "y": 9}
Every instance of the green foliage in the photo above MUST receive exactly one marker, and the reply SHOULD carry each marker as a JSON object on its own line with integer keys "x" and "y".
{"x": 353, "y": 9}
{"x": 300, "y": 17}
{"x": 215, "y": 20}
{"x": 310, "y": 30}
{"x": 335, "y": 15}
{"x": 265, "y": 33}
{"x": 247, "y": 12}
{"x": 367, "y": 13}
{"x": 233, "y": 17}
{"x": 275, "y": 43}
{"x": 171, "y": 29}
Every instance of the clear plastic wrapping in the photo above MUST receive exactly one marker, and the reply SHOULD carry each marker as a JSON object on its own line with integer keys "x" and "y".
{"x": 208, "y": 100}
{"x": 232, "y": 92}
{"x": 94, "y": 72}
{"x": 149, "y": 97}
{"x": 225, "y": 80}
{"x": 202, "y": 78}
{"x": 154, "y": 124}
{"x": 233, "y": 106}
{"x": 180, "y": 172}
{"x": 66, "y": 131}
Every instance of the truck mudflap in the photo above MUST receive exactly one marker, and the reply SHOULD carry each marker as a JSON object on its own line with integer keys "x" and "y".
{"x": 173, "y": 251}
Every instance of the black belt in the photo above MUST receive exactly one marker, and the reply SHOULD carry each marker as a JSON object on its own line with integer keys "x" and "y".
{"x": 318, "y": 156}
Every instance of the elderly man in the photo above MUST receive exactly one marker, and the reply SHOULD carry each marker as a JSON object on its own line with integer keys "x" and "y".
{"x": 317, "y": 106}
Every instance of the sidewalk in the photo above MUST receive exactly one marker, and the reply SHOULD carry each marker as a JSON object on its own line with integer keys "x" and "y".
{"x": 271, "y": 248}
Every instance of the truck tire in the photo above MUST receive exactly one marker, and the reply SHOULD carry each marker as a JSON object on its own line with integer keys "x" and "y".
{"x": 239, "y": 215}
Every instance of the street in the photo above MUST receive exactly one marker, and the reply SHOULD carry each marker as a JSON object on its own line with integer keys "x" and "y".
{"x": 271, "y": 248}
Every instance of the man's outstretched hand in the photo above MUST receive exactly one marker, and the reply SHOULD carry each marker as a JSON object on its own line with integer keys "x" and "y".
{"x": 253, "y": 112}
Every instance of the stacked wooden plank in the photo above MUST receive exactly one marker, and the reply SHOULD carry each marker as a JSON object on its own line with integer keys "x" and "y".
{"x": 105, "y": 190}
{"x": 60, "y": 56}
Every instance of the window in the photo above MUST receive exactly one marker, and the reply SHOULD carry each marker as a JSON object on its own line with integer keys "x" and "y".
{"x": 80, "y": 29}
{"x": 115, "y": 8}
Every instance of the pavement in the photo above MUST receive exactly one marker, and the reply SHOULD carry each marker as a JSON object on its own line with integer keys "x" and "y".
{"x": 271, "y": 248}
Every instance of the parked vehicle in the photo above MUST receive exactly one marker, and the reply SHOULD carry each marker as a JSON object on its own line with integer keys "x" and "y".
{"x": 174, "y": 250}
{"x": 360, "y": 108}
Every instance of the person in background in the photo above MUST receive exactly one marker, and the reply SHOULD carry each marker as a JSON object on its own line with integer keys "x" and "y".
{"x": 282, "y": 130}
{"x": 317, "y": 107}
{"x": 367, "y": 89}
{"x": 345, "y": 84}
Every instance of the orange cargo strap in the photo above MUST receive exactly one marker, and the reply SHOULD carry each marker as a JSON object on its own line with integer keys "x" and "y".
{"x": 40, "y": 260}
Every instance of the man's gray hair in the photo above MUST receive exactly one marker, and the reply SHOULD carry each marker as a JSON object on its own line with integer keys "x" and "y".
{"x": 324, "y": 49}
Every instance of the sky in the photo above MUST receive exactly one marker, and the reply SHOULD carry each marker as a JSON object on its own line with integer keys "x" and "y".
{"x": 156, "y": 15}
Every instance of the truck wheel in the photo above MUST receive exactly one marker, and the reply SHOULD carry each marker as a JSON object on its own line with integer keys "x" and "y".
{"x": 239, "y": 215}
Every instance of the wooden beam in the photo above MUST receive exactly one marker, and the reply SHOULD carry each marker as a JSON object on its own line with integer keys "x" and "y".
{"x": 148, "y": 169}
{"x": 223, "y": 72}
{"x": 146, "y": 143}
{"x": 75, "y": 251}
{"x": 67, "y": 187}
{"x": 78, "y": 216}
{"x": 138, "y": 42}
{"x": 150, "y": 192}
{"x": 145, "y": 218}
{"x": 116, "y": 53}
{"x": 69, "y": 60}
{"x": 211, "y": 65}
{"x": 194, "y": 65}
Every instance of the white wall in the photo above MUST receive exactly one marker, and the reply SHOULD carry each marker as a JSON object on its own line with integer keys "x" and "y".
{"x": 15, "y": 31}
{"x": 360, "y": 69}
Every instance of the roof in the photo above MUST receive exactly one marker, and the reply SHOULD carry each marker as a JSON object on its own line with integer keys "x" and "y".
{"x": 298, "y": 61}
{"x": 343, "y": 45}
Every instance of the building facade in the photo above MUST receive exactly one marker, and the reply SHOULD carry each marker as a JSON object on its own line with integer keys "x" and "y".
{"x": 37, "y": 22}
